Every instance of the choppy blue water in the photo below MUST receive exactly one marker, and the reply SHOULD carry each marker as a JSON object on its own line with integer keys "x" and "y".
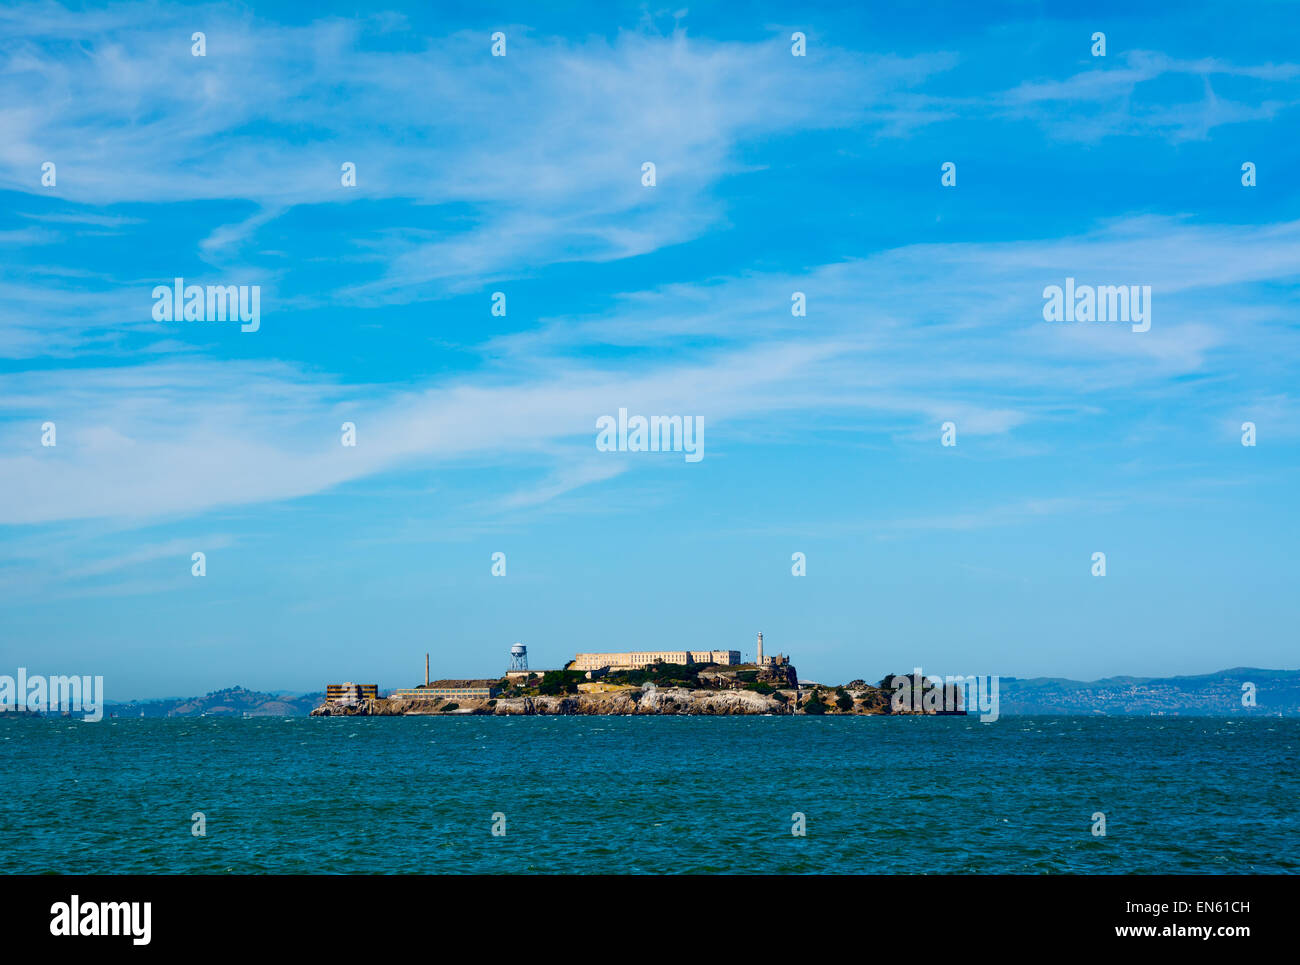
{"x": 650, "y": 794}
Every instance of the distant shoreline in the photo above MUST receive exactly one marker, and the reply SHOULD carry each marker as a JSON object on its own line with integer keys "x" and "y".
{"x": 1205, "y": 695}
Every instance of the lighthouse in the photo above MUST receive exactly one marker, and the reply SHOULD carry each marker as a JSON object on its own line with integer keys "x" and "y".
{"x": 760, "y": 648}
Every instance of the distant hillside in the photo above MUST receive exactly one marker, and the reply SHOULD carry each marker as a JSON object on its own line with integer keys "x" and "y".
{"x": 231, "y": 702}
{"x": 1212, "y": 694}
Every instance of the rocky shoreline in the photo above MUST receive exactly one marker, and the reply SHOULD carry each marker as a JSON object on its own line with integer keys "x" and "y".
{"x": 632, "y": 701}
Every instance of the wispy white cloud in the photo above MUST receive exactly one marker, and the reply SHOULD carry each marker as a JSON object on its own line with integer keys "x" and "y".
{"x": 545, "y": 145}
{"x": 154, "y": 446}
{"x": 924, "y": 333}
{"x": 177, "y": 549}
{"x": 1108, "y": 97}
{"x": 534, "y": 159}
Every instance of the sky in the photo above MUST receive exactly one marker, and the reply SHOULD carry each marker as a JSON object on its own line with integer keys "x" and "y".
{"x": 475, "y": 431}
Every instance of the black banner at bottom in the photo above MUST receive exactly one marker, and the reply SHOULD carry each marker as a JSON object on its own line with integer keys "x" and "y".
{"x": 335, "y": 913}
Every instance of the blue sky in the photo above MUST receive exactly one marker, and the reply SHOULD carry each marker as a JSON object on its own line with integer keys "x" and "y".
{"x": 476, "y": 433}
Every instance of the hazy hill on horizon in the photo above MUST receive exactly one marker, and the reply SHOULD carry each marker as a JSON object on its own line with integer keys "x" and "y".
{"x": 1212, "y": 694}
{"x": 230, "y": 702}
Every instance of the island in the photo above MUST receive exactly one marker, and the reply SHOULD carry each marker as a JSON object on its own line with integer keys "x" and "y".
{"x": 661, "y": 687}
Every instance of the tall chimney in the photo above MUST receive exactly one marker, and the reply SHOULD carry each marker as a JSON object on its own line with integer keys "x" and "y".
{"x": 760, "y": 648}
{"x": 426, "y": 670}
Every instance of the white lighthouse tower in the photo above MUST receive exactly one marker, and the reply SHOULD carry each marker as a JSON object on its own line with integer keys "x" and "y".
{"x": 760, "y": 648}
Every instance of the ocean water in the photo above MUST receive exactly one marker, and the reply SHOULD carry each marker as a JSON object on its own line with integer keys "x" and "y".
{"x": 880, "y": 795}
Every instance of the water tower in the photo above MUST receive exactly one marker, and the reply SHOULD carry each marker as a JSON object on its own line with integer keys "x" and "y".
{"x": 518, "y": 657}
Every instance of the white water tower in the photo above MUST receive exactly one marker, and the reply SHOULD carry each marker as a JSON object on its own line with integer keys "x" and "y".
{"x": 518, "y": 657}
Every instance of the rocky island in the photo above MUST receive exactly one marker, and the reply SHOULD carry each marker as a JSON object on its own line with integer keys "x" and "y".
{"x": 664, "y": 688}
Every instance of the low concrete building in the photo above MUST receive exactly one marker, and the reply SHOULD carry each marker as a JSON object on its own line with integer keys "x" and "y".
{"x": 450, "y": 690}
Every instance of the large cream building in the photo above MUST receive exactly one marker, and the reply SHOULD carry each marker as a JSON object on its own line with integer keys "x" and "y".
{"x": 636, "y": 659}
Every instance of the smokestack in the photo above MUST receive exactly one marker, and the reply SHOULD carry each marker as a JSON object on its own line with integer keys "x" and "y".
{"x": 760, "y": 648}
{"x": 426, "y": 670}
